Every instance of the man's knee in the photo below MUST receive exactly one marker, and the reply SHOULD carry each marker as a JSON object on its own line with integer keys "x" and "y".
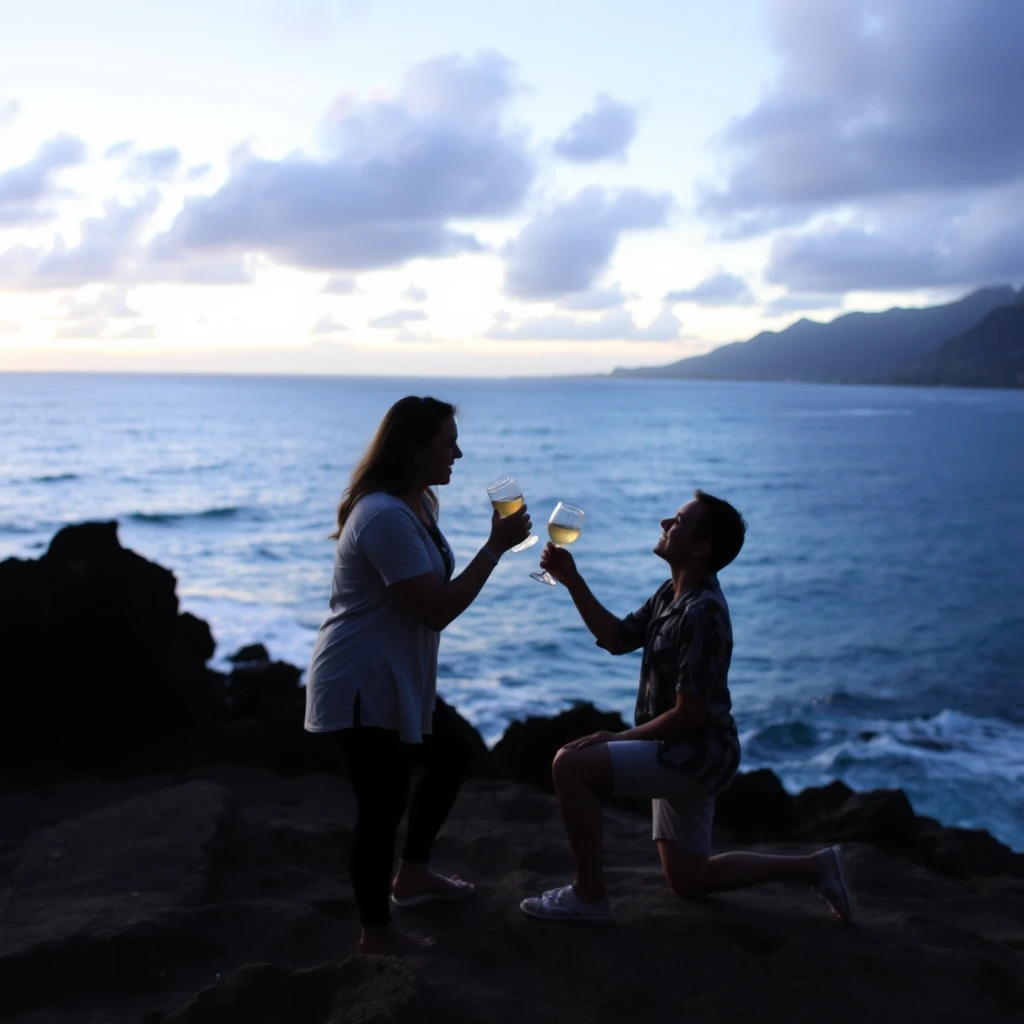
{"x": 687, "y": 887}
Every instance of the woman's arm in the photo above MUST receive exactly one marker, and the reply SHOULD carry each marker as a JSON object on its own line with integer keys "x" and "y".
{"x": 437, "y": 604}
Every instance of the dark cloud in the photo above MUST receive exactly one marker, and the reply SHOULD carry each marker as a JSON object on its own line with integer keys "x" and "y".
{"x": 327, "y": 325}
{"x": 338, "y": 285}
{"x": 875, "y": 99}
{"x": 415, "y": 294}
{"x": 399, "y": 318}
{"x": 25, "y": 191}
{"x": 154, "y": 164}
{"x": 982, "y": 243}
{"x": 615, "y": 325}
{"x": 398, "y": 172}
{"x": 602, "y": 133}
{"x": 721, "y": 289}
{"x": 566, "y": 248}
{"x": 594, "y": 299}
{"x": 106, "y": 251}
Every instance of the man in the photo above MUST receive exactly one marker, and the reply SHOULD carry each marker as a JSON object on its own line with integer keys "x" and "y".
{"x": 684, "y": 748}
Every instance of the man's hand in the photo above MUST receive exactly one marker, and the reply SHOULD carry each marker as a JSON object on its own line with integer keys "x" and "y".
{"x": 559, "y": 563}
{"x": 591, "y": 740}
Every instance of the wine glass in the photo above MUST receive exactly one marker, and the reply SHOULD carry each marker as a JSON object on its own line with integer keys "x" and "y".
{"x": 564, "y": 527}
{"x": 507, "y": 497}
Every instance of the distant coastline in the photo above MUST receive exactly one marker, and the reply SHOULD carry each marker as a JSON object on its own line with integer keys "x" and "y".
{"x": 976, "y": 341}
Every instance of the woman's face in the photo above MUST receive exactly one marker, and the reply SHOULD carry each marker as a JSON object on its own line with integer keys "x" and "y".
{"x": 436, "y": 460}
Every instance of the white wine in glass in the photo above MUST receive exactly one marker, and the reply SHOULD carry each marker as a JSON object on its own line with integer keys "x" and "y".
{"x": 564, "y": 526}
{"x": 507, "y": 497}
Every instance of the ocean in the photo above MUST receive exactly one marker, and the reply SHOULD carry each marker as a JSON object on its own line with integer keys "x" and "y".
{"x": 878, "y": 605}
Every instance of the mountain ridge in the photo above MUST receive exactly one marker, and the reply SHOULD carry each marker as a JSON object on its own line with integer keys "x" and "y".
{"x": 855, "y": 347}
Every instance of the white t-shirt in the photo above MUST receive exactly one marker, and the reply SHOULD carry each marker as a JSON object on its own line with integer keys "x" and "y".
{"x": 368, "y": 646}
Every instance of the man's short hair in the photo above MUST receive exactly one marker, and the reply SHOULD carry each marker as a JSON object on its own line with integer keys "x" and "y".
{"x": 722, "y": 527}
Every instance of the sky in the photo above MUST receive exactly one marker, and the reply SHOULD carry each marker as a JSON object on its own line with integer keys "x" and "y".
{"x": 465, "y": 189}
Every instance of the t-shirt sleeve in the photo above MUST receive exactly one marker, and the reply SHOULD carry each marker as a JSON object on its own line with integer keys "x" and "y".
{"x": 703, "y": 648}
{"x": 395, "y": 546}
{"x": 632, "y": 630}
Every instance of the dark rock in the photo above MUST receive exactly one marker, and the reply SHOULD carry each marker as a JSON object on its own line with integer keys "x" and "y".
{"x": 447, "y": 719}
{"x": 363, "y": 989}
{"x": 880, "y": 816}
{"x": 819, "y": 801}
{"x": 756, "y": 806}
{"x": 527, "y": 748}
{"x": 251, "y": 652}
{"x": 262, "y": 687}
{"x": 965, "y": 853}
{"x": 98, "y": 664}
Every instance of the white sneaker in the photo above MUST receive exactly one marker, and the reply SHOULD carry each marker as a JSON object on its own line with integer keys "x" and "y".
{"x": 563, "y": 904}
{"x": 832, "y": 887}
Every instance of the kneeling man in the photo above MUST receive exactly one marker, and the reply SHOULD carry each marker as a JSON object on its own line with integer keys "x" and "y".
{"x": 684, "y": 748}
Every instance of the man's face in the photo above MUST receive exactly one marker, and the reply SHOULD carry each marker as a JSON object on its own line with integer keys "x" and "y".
{"x": 677, "y": 543}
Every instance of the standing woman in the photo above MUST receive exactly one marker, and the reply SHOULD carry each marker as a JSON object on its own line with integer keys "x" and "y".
{"x": 373, "y": 674}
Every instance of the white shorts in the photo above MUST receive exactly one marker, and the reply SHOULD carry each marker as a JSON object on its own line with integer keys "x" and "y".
{"x": 682, "y": 810}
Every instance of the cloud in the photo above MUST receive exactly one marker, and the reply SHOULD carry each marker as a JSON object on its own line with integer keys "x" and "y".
{"x": 720, "y": 289}
{"x": 339, "y": 285}
{"x": 874, "y": 99}
{"x": 602, "y": 133}
{"x": 198, "y": 171}
{"x": 981, "y": 242}
{"x": 92, "y": 327}
{"x": 327, "y": 325}
{"x": 565, "y": 248}
{"x": 113, "y": 302}
{"x": 594, "y": 299}
{"x": 154, "y": 165}
{"x": 26, "y": 190}
{"x": 615, "y": 325}
{"x": 399, "y": 318}
{"x": 398, "y": 172}
{"x": 8, "y": 112}
{"x": 119, "y": 149}
{"x": 138, "y": 331}
{"x": 414, "y": 294}
{"x": 105, "y": 251}
{"x": 9, "y": 327}
{"x": 797, "y": 302}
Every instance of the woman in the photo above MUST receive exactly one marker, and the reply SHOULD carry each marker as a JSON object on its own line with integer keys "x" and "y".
{"x": 373, "y": 675}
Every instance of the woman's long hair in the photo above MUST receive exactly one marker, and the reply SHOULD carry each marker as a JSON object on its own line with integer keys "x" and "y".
{"x": 389, "y": 463}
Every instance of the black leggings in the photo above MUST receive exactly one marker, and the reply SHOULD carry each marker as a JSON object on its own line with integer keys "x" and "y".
{"x": 380, "y": 766}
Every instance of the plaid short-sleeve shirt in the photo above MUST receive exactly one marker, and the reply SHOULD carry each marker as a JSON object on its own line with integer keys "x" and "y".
{"x": 687, "y": 645}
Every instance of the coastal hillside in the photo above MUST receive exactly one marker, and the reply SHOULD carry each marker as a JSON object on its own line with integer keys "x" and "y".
{"x": 988, "y": 355}
{"x": 853, "y": 348}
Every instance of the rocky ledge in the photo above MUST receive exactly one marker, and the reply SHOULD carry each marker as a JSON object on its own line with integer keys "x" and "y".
{"x": 172, "y": 848}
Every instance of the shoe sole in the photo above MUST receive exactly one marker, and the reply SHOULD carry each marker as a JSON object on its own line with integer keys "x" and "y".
{"x": 837, "y": 853}
{"x": 564, "y": 917}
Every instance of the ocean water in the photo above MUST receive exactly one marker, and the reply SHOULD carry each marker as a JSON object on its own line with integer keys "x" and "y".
{"x": 878, "y": 605}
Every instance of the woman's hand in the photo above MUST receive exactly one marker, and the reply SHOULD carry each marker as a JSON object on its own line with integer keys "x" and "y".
{"x": 508, "y": 532}
{"x": 559, "y": 562}
{"x": 589, "y": 741}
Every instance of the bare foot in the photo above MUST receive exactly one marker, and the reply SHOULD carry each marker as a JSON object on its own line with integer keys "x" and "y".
{"x": 389, "y": 941}
{"x": 419, "y": 885}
